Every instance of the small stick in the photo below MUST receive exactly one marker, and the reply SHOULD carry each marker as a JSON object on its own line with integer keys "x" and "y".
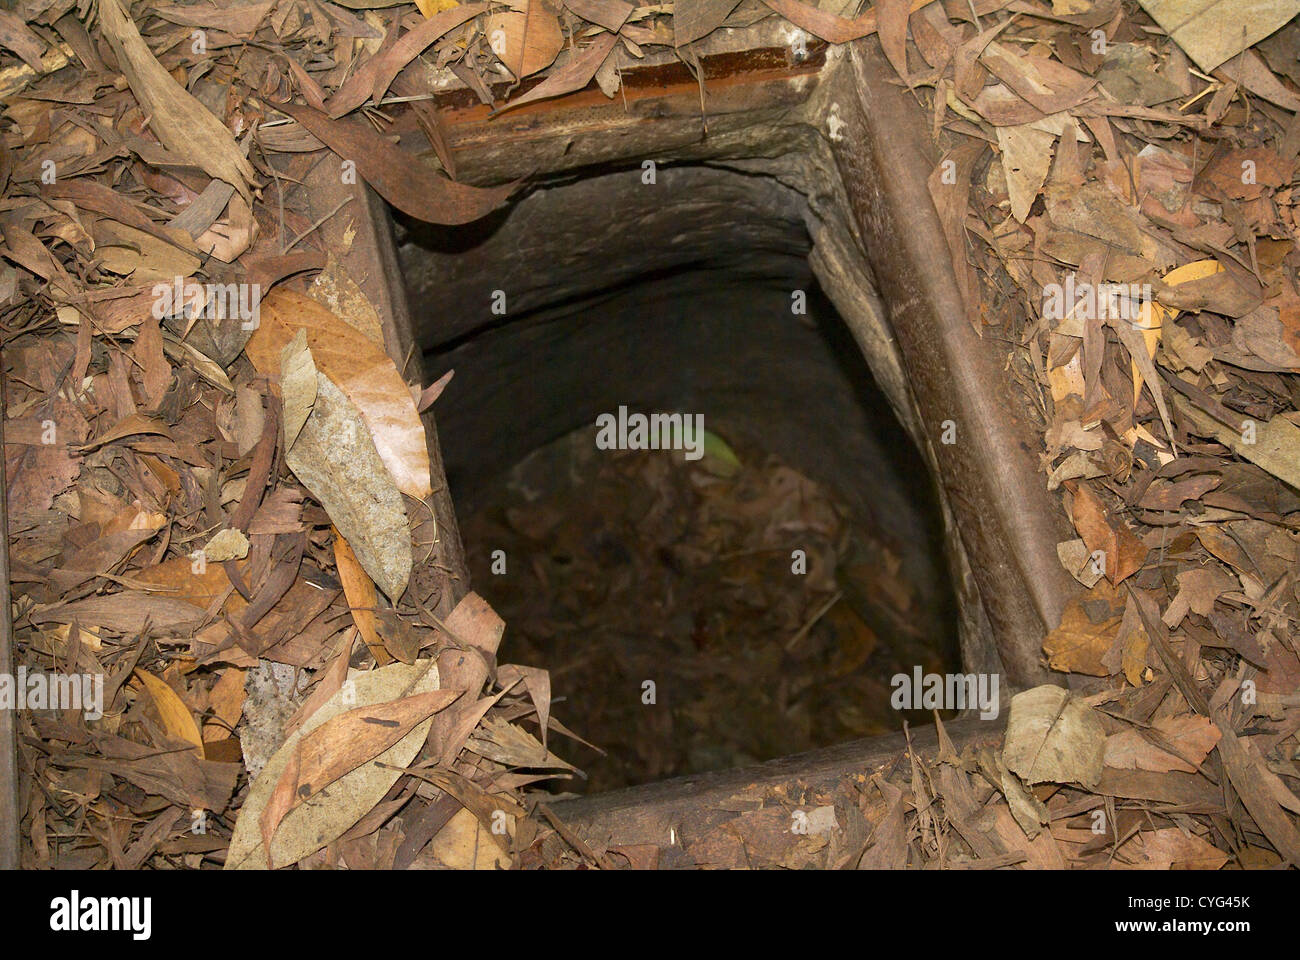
{"x": 317, "y": 224}
{"x": 812, "y": 621}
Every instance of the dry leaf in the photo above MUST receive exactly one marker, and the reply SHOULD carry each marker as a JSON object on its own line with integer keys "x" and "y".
{"x": 362, "y": 600}
{"x": 339, "y": 746}
{"x": 307, "y": 828}
{"x": 183, "y": 124}
{"x": 693, "y": 19}
{"x": 336, "y": 460}
{"x": 228, "y": 544}
{"x": 1123, "y": 551}
{"x": 360, "y": 369}
{"x": 1053, "y": 737}
{"x": 1197, "y": 591}
{"x": 1026, "y": 158}
{"x": 176, "y": 716}
{"x": 1212, "y": 31}
{"x": 1087, "y": 633}
{"x": 574, "y": 75}
{"x": 400, "y": 177}
{"x": 526, "y": 42}
{"x": 1192, "y": 736}
{"x": 298, "y": 388}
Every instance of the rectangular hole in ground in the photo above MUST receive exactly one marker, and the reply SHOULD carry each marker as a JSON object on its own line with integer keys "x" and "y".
{"x": 695, "y": 613}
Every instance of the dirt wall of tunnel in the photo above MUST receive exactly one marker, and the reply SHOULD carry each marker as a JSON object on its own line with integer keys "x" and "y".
{"x": 686, "y": 303}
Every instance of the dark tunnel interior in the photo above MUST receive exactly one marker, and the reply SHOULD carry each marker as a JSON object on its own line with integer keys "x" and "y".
{"x": 744, "y": 598}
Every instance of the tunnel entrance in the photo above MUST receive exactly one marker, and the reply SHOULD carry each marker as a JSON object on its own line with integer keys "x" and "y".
{"x": 746, "y": 596}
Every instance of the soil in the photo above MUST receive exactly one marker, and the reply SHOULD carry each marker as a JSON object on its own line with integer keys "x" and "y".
{"x": 683, "y": 629}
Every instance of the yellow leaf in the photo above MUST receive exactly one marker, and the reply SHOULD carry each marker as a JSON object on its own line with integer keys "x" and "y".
{"x": 430, "y": 7}
{"x": 176, "y": 717}
{"x": 1152, "y": 319}
{"x": 360, "y": 592}
{"x": 463, "y": 844}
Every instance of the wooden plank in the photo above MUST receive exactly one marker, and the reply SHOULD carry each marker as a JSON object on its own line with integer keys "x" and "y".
{"x": 663, "y": 813}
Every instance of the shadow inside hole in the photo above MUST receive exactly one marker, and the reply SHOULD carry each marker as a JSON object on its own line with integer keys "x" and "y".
{"x": 733, "y": 327}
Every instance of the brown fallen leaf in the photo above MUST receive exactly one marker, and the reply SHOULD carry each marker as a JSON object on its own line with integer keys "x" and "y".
{"x": 358, "y": 367}
{"x": 1212, "y": 31}
{"x": 1164, "y": 495}
{"x": 1167, "y": 848}
{"x": 1192, "y": 736}
{"x": 1053, "y": 737}
{"x": 1123, "y": 551}
{"x": 400, "y": 177}
{"x": 130, "y": 426}
{"x": 176, "y": 716}
{"x": 335, "y": 458}
{"x": 376, "y": 75}
{"x": 574, "y": 75}
{"x": 1087, "y": 633}
{"x": 1026, "y": 157}
{"x": 526, "y": 42}
{"x": 298, "y": 385}
{"x": 1197, "y": 591}
{"x": 1048, "y": 85}
{"x": 829, "y": 26}
{"x": 116, "y": 539}
{"x": 362, "y": 600}
{"x": 693, "y": 19}
{"x": 340, "y": 745}
{"x": 433, "y": 391}
{"x": 610, "y": 14}
{"x": 893, "y": 18}
{"x": 183, "y": 124}
{"x": 226, "y": 700}
{"x": 305, "y": 828}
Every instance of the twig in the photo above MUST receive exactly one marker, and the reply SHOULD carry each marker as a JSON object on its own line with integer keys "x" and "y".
{"x": 314, "y": 226}
{"x": 812, "y": 621}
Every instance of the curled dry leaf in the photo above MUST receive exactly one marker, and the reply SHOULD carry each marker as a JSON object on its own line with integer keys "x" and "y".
{"x": 399, "y": 177}
{"x": 304, "y": 829}
{"x": 360, "y": 368}
{"x": 1053, "y": 738}
{"x": 183, "y": 124}
{"x": 336, "y": 460}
